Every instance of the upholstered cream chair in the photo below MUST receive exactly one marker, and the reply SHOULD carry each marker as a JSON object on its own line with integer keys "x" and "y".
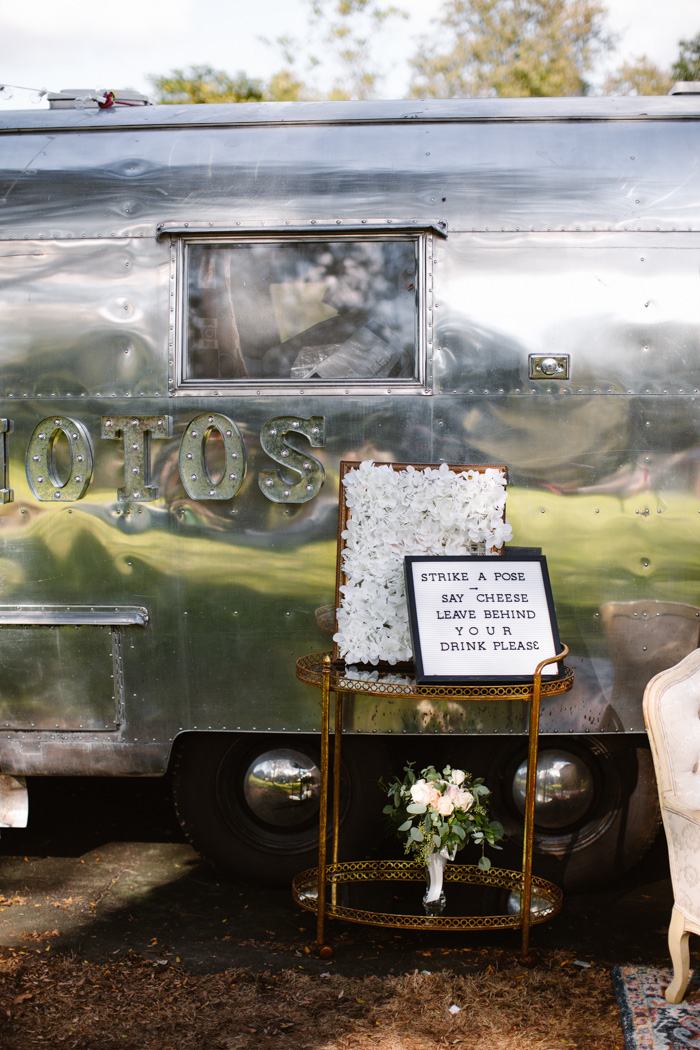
{"x": 672, "y": 716}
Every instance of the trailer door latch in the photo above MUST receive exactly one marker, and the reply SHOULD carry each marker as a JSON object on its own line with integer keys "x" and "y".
{"x": 548, "y": 366}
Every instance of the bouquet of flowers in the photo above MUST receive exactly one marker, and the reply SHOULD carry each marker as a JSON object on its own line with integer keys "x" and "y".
{"x": 441, "y": 812}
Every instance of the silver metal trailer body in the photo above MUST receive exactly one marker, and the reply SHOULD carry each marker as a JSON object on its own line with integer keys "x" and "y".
{"x": 204, "y": 309}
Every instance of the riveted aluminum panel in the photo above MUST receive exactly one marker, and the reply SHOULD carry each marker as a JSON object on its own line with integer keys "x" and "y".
{"x": 604, "y": 467}
{"x": 58, "y": 678}
{"x": 83, "y": 318}
{"x": 606, "y": 164}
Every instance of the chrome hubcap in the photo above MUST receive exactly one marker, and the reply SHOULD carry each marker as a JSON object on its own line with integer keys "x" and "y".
{"x": 564, "y": 788}
{"x": 282, "y": 787}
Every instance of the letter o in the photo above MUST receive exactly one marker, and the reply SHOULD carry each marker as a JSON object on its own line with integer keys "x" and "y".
{"x": 40, "y": 462}
{"x": 192, "y": 460}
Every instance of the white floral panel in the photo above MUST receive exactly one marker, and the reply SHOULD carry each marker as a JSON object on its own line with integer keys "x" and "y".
{"x": 393, "y": 513}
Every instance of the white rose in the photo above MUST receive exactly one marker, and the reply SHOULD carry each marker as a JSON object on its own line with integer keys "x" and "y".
{"x": 464, "y": 801}
{"x": 444, "y": 806}
{"x": 458, "y": 776}
{"x": 421, "y": 793}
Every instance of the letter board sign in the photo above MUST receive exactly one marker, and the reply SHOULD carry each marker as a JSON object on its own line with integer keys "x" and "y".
{"x": 480, "y": 618}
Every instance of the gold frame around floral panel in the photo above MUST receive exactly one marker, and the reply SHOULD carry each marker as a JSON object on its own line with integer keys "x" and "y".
{"x": 346, "y": 466}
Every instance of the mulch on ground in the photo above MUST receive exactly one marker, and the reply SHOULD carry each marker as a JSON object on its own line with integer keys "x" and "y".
{"x": 57, "y": 999}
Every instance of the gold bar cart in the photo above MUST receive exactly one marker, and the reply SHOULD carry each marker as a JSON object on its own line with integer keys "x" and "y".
{"x": 316, "y": 889}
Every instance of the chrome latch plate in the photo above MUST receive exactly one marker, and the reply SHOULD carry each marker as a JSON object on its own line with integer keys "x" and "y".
{"x": 548, "y": 366}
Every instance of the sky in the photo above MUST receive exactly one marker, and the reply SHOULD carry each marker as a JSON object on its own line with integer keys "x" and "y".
{"x": 81, "y": 44}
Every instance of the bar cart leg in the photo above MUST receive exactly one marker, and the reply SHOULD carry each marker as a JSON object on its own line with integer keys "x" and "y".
{"x": 337, "y": 766}
{"x": 530, "y": 794}
{"x": 526, "y": 892}
{"x": 324, "y": 950}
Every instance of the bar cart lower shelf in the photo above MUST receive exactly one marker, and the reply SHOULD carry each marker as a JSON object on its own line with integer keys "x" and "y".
{"x": 367, "y": 892}
{"x": 383, "y": 892}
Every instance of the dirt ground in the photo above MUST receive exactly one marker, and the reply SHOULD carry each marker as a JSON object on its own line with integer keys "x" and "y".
{"x": 114, "y": 933}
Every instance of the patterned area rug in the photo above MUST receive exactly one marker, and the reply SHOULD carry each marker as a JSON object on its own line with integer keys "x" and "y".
{"x": 648, "y": 1022}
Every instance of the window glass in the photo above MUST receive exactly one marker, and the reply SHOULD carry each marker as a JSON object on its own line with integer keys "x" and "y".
{"x": 301, "y": 310}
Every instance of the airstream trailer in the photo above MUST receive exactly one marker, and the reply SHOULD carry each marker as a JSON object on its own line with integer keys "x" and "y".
{"x": 206, "y": 308}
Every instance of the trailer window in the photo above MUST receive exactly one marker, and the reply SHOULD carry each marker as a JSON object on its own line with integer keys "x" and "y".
{"x": 300, "y": 310}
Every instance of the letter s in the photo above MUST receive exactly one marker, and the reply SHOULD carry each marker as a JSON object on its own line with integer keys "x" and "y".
{"x": 274, "y": 484}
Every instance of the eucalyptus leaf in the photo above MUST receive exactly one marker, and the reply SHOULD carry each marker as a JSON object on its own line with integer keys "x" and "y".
{"x": 405, "y": 826}
{"x": 484, "y": 863}
{"x": 417, "y": 835}
{"x": 416, "y": 807}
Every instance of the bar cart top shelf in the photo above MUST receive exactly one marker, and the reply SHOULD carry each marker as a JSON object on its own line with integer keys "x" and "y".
{"x": 392, "y": 683}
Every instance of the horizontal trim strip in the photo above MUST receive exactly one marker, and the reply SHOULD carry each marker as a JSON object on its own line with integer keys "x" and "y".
{"x": 73, "y": 616}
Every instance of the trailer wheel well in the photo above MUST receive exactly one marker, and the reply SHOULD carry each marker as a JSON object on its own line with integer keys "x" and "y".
{"x": 617, "y": 828}
{"x": 250, "y": 823}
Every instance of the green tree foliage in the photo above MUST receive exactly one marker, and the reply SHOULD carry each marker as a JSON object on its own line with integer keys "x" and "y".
{"x": 640, "y": 76}
{"x": 205, "y": 84}
{"x": 511, "y": 48}
{"x": 345, "y": 36}
{"x": 341, "y": 35}
{"x": 286, "y": 87}
{"x": 687, "y": 65}
{"x": 479, "y": 48}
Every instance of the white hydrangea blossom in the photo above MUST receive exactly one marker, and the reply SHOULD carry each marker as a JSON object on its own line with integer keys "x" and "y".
{"x": 358, "y": 675}
{"x": 394, "y": 513}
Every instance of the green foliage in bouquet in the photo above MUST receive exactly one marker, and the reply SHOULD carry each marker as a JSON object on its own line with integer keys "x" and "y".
{"x": 441, "y": 811}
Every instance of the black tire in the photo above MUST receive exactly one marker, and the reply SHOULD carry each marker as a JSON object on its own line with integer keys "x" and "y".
{"x": 208, "y": 774}
{"x": 618, "y": 828}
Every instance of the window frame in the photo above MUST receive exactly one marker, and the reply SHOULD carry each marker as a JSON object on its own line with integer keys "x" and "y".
{"x": 183, "y": 235}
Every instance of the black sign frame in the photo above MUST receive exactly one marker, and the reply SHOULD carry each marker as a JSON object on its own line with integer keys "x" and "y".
{"x": 508, "y": 609}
